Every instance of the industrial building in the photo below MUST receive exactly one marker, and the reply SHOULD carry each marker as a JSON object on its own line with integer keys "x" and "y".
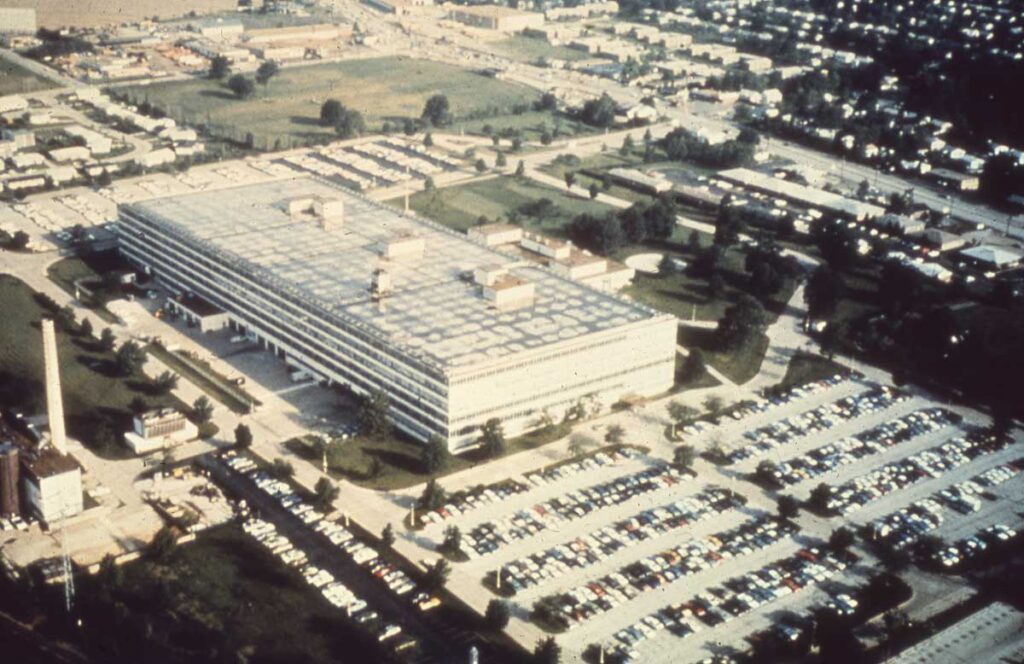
{"x": 156, "y": 429}
{"x": 362, "y": 295}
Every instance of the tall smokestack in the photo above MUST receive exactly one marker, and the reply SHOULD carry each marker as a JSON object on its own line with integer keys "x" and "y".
{"x": 54, "y": 405}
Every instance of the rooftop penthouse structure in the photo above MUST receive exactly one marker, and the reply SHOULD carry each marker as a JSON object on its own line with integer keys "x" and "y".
{"x": 362, "y": 295}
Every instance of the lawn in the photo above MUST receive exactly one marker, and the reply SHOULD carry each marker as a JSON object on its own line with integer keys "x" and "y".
{"x": 807, "y": 367}
{"x": 15, "y": 79}
{"x": 529, "y": 124}
{"x": 222, "y": 593}
{"x": 93, "y": 391}
{"x": 738, "y": 365}
{"x": 532, "y": 49}
{"x": 287, "y": 110}
{"x": 496, "y": 198}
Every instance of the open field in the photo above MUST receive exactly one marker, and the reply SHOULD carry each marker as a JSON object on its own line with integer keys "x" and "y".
{"x": 17, "y": 80}
{"x": 93, "y": 391}
{"x": 288, "y": 109}
{"x": 461, "y": 207}
{"x": 92, "y": 13}
{"x": 531, "y": 49}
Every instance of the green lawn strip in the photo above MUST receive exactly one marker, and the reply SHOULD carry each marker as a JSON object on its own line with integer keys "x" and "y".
{"x": 205, "y": 378}
{"x": 461, "y": 207}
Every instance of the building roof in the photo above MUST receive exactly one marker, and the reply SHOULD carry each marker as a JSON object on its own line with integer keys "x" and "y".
{"x": 49, "y": 463}
{"x": 992, "y": 255}
{"x": 810, "y": 196}
{"x": 433, "y": 313}
{"x": 991, "y": 634}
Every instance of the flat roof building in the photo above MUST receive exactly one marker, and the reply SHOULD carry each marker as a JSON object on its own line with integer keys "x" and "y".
{"x": 298, "y": 263}
{"x": 793, "y": 192}
{"x": 497, "y": 17}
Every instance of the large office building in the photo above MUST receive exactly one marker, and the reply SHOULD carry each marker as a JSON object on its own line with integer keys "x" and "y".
{"x": 364, "y": 296}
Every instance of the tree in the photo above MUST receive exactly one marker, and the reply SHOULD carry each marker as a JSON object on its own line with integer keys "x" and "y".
{"x": 614, "y": 434}
{"x": 822, "y": 292}
{"x": 85, "y": 329}
{"x": 501, "y": 161}
{"x": 163, "y": 545}
{"x": 683, "y": 456}
{"x": 546, "y": 138}
{"x": 436, "y": 111}
{"x": 350, "y": 125}
{"x": 129, "y": 358}
{"x": 429, "y": 184}
{"x": 578, "y": 444}
{"x": 713, "y": 404}
{"x": 435, "y": 454}
{"x": 331, "y": 112}
{"x": 19, "y": 241}
{"x": 107, "y": 339}
{"x": 547, "y": 102}
{"x": 110, "y": 575}
{"x": 324, "y": 492}
{"x": 282, "y": 469}
{"x": 694, "y": 365}
{"x": 520, "y": 169}
{"x": 66, "y": 318}
{"x": 387, "y": 536}
{"x": 742, "y": 321}
{"x": 570, "y": 179}
{"x": 863, "y": 189}
{"x": 166, "y": 382}
{"x": 242, "y": 87}
{"x": 599, "y": 112}
{"x": 243, "y": 436}
{"x": 220, "y": 67}
{"x": 897, "y": 624}
{"x": 433, "y": 496}
{"x": 765, "y": 472}
{"x": 267, "y": 70}
{"x": 437, "y": 575}
{"x": 202, "y": 409}
{"x": 373, "y": 414}
{"x": 788, "y": 507}
{"x": 492, "y": 437}
{"x": 841, "y": 539}
{"x": 819, "y": 497}
{"x": 480, "y": 165}
{"x": 727, "y": 224}
{"x": 428, "y": 140}
{"x": 547, "y": 651}
{"x": 602, "y": 235}
{"x": 497, "y": 614}
{"x": 452, "y": 542}
{"x": 716, "y": 285}
{"x": 627, "y": 145}
{"x": 138, "y": 406}
{"x": 680, "y": 413}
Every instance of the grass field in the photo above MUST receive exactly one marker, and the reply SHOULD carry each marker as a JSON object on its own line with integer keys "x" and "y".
{"x": 738, "y": 365}
{"x": 224, "y": 592}
{"x": 382, "y": 89}
{"x": 15, "y": 79}
{"x": 532, "y": 49}
{"x": 808, "y": 367}
{"x": 92, "y": 389}
{"x": 496, "y": 198}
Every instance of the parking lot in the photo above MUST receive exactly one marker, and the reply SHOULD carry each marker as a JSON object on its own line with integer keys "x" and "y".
{"x": 656, "y": 571}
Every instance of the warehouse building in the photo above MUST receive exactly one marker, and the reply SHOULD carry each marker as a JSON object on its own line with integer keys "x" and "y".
{"x": 361, "y": 295}
{"x": 496, "y": 17}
